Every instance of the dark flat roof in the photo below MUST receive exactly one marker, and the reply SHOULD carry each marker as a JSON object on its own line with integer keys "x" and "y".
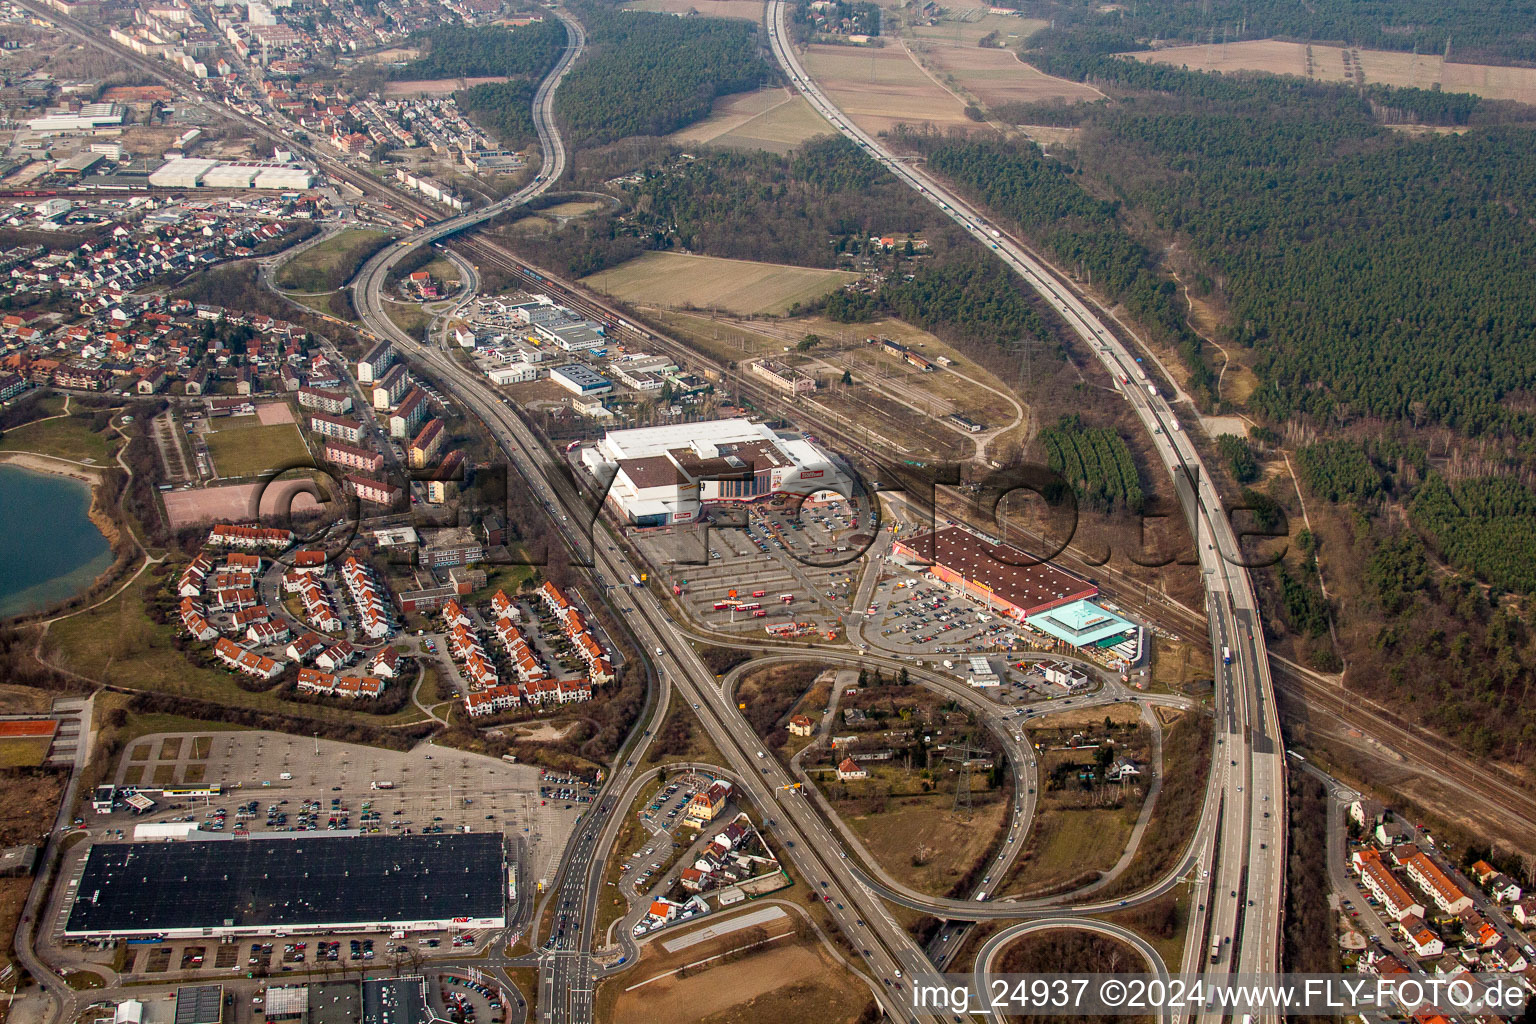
{"x": 1014, "y": 575}
{"x": 200, "y": 1004}
{"x": 306, "y": 879}
{"x": 395, "y": 1001}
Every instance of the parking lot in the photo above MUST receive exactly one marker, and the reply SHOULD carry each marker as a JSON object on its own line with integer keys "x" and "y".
{"x": 465, "y": 1001}
{"x": 662, "y": 817}
{"x": 289, "y": 783}
{"x": 765, "y": 553}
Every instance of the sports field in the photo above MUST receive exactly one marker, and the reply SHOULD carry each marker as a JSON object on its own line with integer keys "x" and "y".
{"x": 880, "y": 88}
{"x": 24, "y": 744}
{"x": 704, "y": 282}
{"x": 242, "y": 446}
{"x": 775, "y": 120}
{"x": 1337, "y": 64}
{"x": 233, "y": 501}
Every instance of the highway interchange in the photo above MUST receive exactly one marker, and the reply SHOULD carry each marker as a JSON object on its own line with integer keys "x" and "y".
{"x": 1237, "y": 848}
{"x": 1244, "y": 810}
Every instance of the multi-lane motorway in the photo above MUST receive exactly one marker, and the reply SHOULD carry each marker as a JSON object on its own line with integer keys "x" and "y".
{"x": 1246, "y": 791}
{"x": 1243, "y": 908}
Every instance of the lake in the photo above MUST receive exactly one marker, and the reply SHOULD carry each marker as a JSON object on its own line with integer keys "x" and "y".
{"x": 49, "y": 548}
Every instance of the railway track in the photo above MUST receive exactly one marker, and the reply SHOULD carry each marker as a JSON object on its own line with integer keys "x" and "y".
{"x": 1501, "y": 791}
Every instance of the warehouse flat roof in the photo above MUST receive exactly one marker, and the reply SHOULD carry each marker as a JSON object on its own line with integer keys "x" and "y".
{"x": 297, "y": 880}
{"x": 1011, "y": 574}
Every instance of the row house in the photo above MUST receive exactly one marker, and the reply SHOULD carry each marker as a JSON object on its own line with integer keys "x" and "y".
{"x": 373, "y": 612}
{"x": 506, "y": 697}
{"x": 307, "y": 646}
{"x": 264, "y": 634}
{"x": 318, "y": 607}
{"x": 193, "y": 576}
{"x": 314, "y": 681}
{"x": 1383, "y": 884}
{"x": 248, "y": 537}
{"x": 247, "y": 661}
{"x": 587, "y": 648}
{"x": 386, "y": 663}
{"x": 524, "y": 660}
{"x": 338, "y": 655}
{"x": 195, "y": 621}
{"x": 309, "y": 562}
{"x": 454, "y": 615}
{"x": 233, "y": 599}
{"x": 1435, "y": 883}
{"x": 226, "y": 580}
{"x": 242, "y": 561}
{"x": 251, "y": 616}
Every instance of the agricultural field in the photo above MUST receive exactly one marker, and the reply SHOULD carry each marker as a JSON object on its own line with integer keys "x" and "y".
{"x": 967, "y": 29}
{"x": 881, "y": 88}
{"x": 329, "y": 264}
{"x": 736, "y": 286}
{"x": 242, "y": 446}
{"x": 1329, "y": 64}
{"x": 775, "y": 120}
{"x": 998, "y": 76}
{"x": 747, "y": 10}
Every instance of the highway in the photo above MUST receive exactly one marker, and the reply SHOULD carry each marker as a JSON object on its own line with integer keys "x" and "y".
{"x": 1242, "y": 912}
{"x": 566, "y": 975}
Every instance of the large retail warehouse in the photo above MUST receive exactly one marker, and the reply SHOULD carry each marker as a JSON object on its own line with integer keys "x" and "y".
{"x": 294, "y": 882}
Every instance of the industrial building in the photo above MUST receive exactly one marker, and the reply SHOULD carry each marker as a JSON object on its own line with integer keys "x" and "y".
{"x": 666, "y": 474}
{"x": 290, "y": 882}
{"x": 581, "y": 380}
{"x": 90, "y": 116}
{"x": 199, "y": 173}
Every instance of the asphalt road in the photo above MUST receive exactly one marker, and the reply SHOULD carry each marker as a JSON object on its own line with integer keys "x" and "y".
{"x": 1252, "y": 868}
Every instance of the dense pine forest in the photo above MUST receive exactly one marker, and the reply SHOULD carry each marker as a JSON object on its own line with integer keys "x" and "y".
{"x": 651, "y": 74}
{"x": 461, "y": 51}
{"x": 1473, "y": 30}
